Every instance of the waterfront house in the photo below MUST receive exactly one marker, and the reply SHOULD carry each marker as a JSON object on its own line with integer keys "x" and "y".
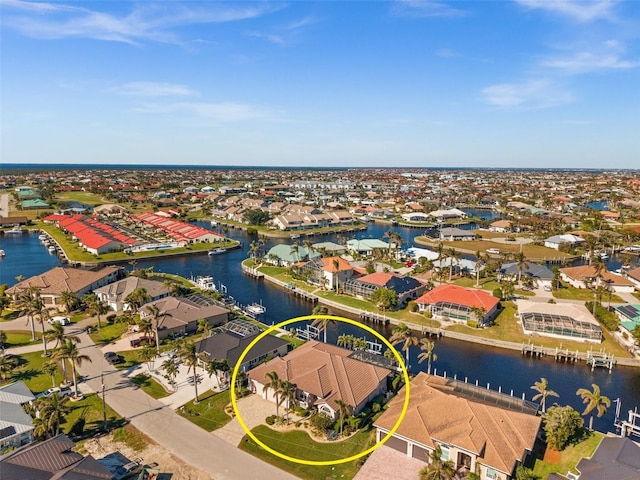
{"x": 459, "y": 304}
{"x": 366, "y": 246}
{"x": 629, "y": 316}
{"x": 180, "y": 316}
{"x": 451, "y": 213}
{"x": 114, "y": 294}
{"x": 615, "y": 458}
{"x": 557, "y": 240}
{"x": 454, "y": 234}
{"x": 562, "y": 320}
{"x": 181, "y": 232}
{"x": 327, "y": 271}
{"x": 323, "y": 373}
{"x": 415, "y": 217}
{"x": 16, "y": 426}
{"x": 490, "y": 437}
{"x": 585, "y": 275}
{"x": 51, "y": 284}
{"x": 229, "y": 344}
{"x": 541, "y": 275}
{"x": 287, "y": 255}
{"x": 501, "y": 226}
{"x": 634, "y": 276}
{"x": 407, "y": 288}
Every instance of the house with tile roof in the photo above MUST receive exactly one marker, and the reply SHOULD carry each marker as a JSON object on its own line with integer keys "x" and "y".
{"x": 115, "y": 293}
{"x": 323, "y": 373}
{"x": 557, "y": 240}
{"x": 459, "y": 303}
{"x": 327, "y": 272}
{"x": 52, "y": 459}
{"x": 583, "y": 275}
{"x": 615, "y": 457}
{"x": 52, "y": 283}
{"x": 287, "y": 255}
{"x": 407, "y": 288}
{"x": 540, "y": 273}
{"x": 561, "y": 320}
{"x": 180, "y": 316}
{"x": 491, "y": 436}
{"x": 16, "y": 426}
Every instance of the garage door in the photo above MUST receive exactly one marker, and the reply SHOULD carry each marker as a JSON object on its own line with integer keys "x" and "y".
{"x": 397, "y": 444}
{"x": 420, "y": 453}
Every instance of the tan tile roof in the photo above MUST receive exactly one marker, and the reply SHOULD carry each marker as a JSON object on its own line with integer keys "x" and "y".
{"x": 589, "y": 271}
{"x": 61, "y": 279}
{"x": 498, "y": 436}
{"x": 326, "y": 371}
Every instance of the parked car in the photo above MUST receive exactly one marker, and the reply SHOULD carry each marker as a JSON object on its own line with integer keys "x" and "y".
{"x": 136, "y": 342}
{"x": 62, "y": 392}
{"x": 59, "y": 319}
{"x": 112, "y": 357}
{"x": 495, "y": 251}
{"x": 547, "y": 288}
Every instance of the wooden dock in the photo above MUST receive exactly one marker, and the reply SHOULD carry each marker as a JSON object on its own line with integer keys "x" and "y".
{"x": 298, "y": 292}
{"x": 593, "y": 359}
{"x": 374, "y": 317}
{"x": 252, "y": 272}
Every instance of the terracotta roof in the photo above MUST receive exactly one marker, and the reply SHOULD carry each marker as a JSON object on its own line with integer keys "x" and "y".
{"x": 327, "y": 372}
{"x": 328, "y": 266}
{"x": 435, "y": 413}
{"x": 469, "y": 297}
{"x": 61, "y": 279}
{"x": 586, "y": 272}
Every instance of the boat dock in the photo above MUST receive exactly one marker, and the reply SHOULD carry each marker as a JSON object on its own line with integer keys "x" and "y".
{"x": 593, "y": 359}
{"x": 252, "y": 272}
{"x": 291, "y": 288}
{"x": 374, "y": 317}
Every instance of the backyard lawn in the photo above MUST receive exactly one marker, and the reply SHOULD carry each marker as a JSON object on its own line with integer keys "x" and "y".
{"x": 298, "y": 444}
{"x": 570, "y": 457}
{"x": 150, "y": 386}
{"x": 209, "y": 413}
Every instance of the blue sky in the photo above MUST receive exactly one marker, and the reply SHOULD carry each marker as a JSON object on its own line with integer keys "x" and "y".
{"x": 411, "y": 83}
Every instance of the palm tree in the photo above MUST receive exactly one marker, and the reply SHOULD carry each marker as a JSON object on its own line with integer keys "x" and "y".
{"x": 274, "y": 383}
{"x": 148, "y": 354}
{"x": 145, "y": 326}
{"x": 336, "y": 267}
{"x": 322, "y": 323}
{"x": 360, "y": 344}
{"x": 25, "y": 304}
{"x": 453, "y": 256}
{"x": 344, "y": 410}
{"x": 438, "y": 469}
{"x": 440, "y": 250}
{"x": 521, "y": 263}
{"x": 154, "y": 312}
{"x": 95, "y": 306}
{"x": 50, "y": 368}
{"x": 345, "y": 341}
{"x": 43, "y": 314}
{"x": 188, "y": 354}
{"x": 478, "y": 267}
{"x": 295, "y": 250}
{"x": 52, "y": 410}
{"x": 7, "y": 366}
{"x": 594, "y": 400}
{"x": 69, "y": 300}
{"x": 427, "y": 346}
{"x": 590, "y": 242}
{"x": 204, "y": 327}
{"x": 170, "y": 370}
{"x": 287, "y": 392}
{"x": 137, "y": 298}
{"x": 543, "y": 392}
{"x": 76, "y": 359}
{"x": 479, "y": 314}
{"x": 403, "y": 334}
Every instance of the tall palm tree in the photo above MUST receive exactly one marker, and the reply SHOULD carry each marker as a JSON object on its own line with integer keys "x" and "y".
{"x": 322, "y": 323}
{"x": 542, "y": 387}
{"x": 521, "y": 264}
{"x": 287, "y": 393}
{"x": 344, "y": 411}
{"x": 590, "y": 241}
{"x": 52, "y": 410}
{"x": 479, "y": 264}
{"x": 427, "y": 346}
{"x": 295, "y": 250}
{"x": 75, "y": 359}
{"x": 403, "y": 334}
{"x": 336, "y": 268}
{"x": 26, "y": 306}
{"x": 148, "y": 355}
{"x": 345, "y": 341}
{"x": 170, "y": 371}
{"x": 42, "y": 315}
{"x": 594, "y": 400}
{"x": 154, "y": 312}
{"x": 188, "y": 354}
{"x": 56, "y": 333}
{"x": 95, "y": 306}
{"x": 438, "y": 469}
{"x": 50, "y": 368}
{"x": 69, "y": 300}
{"x": 137, "y": 298}
{"x": 454, "y": 256}
{"x": 275, "y": 384}
{"x": 7, "y": 366}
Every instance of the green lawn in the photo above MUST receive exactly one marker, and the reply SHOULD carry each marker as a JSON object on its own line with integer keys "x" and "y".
{"x": 298, "y": 444}
{"x": 18, "y": 338}
{"x": 150, "y": 386}
{"x": 209, "y": 413}
{"x": 8, "y": 315}
{"x": 585, "y": 294}
{"x": 130, "y": 358}
{"x": 86, "y": 198}
{"x": 132, "y": 437}
{"x": 108, "y": 333}
{"x": 570, "y": 457}
{"x": 90, "y": 407}
{"x": 29, "y": 370}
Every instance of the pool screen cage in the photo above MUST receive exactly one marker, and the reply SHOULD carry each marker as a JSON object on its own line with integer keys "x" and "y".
{"x": 454, "y": 311}
{"x": 560, "y": 325}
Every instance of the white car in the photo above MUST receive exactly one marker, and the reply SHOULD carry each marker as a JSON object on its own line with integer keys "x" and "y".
{"x": 62, "y": 392}
{"x": 60, "y": 320}
{"x": 495, "y": 251}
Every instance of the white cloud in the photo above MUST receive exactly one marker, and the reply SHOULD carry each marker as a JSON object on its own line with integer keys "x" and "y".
{"x": 277, "y": 39}
{"x": 447, "y": 53}
{"x": 222, "y": 112}
{"x": 146, "y": 22}
{"x": 589, "y": 62}
{"x": 529, "y": 94}
{"x": 425, "y": 8}
{"x": 152, "y": 89}
{"x": 579, "y": 10}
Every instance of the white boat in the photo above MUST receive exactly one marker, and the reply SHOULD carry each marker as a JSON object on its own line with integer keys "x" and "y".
{"x": 1, "y": 253}
{"x": 217, "y": 251}
{"x": 52, "y": 249}
{"x": 256, "y": 310}
{"x": 15, "y": 229}
{"x": 206, "y": 283}
{"x": 42, "y": 237}
{"x": 295, "y": 235}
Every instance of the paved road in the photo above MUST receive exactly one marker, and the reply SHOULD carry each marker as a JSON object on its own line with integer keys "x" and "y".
{"x": 188, "y": 441}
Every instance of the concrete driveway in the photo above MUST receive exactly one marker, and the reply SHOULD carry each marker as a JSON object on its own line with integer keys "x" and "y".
{"x": 254, "y": 409}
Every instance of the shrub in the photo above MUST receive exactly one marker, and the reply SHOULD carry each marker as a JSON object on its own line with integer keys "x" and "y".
{"x": 298, "y": 423}
{"x": 301, "y": 412}
{"x": 252, "y": 231}
{"x": 271, "y": 419}
{"x": 413, "y": 306}
{"x": 472, "y": 323}
{"x": 320, "y": 422}
{"x": 497, "y": 293}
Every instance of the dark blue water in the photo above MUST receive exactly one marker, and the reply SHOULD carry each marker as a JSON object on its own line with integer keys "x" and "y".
{"x": 500, "y": 368}
{"x": 598, "y": 205}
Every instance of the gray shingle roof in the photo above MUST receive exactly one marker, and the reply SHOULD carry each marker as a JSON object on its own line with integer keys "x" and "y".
{"x": 230, "y": 346}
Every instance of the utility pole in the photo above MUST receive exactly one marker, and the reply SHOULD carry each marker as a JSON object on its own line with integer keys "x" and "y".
{"x": 104, "y": 404}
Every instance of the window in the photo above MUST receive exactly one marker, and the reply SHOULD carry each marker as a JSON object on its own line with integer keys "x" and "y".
{"x": 491, "y": 474}
{"x": 445, "y": 453}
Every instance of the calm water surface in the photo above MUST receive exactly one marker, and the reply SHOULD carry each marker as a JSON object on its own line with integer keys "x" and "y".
{"x": 496, "y": 367}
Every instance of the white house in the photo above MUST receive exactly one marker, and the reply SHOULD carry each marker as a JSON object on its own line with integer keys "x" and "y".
{"x": 557, "y": 240}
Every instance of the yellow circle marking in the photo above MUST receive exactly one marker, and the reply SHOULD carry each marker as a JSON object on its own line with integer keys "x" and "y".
{"x": 317, "y": 462}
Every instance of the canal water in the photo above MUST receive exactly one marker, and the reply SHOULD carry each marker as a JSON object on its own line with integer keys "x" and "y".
{"x": 498, "y": 368}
